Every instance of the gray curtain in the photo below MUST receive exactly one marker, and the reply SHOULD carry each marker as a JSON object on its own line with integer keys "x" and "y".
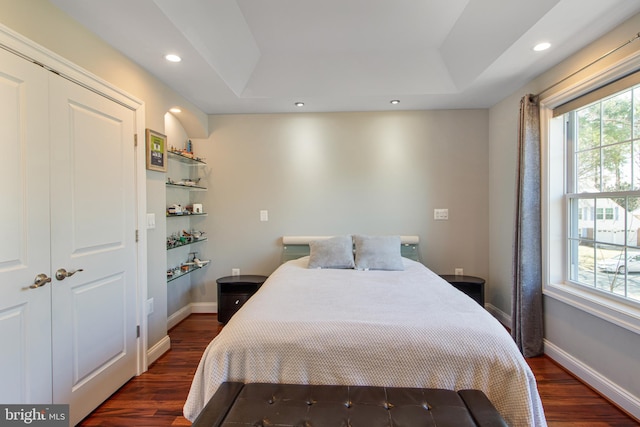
{"x": 526, "y": 314}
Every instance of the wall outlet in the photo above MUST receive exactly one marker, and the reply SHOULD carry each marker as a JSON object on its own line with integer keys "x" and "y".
{"x": 459, "y": 272}
{"x": 149, "y": 306}
{"x": 264, "y": 215}
{"x": 235, "y": 271}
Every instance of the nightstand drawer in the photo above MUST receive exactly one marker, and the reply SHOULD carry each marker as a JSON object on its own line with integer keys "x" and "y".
{"x": 234, "y": 291}
{"x": 234, "y": 301}
{"x": 229, "y": 304}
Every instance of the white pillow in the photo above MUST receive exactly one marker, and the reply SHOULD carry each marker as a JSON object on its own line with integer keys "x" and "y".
{"x": 334, "y": 252}
{"x": 378, "y": 253}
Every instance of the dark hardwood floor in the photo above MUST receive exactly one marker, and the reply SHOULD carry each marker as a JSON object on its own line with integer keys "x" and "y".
{"x": 155, "y": 398}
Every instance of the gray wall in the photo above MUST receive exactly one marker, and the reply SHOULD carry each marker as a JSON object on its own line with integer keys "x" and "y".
{"x": 337, "y": 173}
{"x": 599, "y": 351}
{"x": 348, "y": 173}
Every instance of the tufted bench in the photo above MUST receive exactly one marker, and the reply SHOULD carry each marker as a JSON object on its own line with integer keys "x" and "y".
{"x": 288, "y": 405}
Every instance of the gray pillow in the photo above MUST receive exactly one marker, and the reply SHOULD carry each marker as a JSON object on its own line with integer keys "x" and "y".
{"x": 378, "y": 253}
{"x": 334, "y": 252}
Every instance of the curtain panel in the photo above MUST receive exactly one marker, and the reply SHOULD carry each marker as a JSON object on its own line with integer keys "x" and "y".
{"x": 526, "y": 315}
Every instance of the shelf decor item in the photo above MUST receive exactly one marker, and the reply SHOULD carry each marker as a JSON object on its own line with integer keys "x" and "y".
{"x": 156, "y": 151}
{"x": 185, "y": 176}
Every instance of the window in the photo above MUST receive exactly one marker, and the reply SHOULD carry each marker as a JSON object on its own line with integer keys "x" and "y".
{"x": 602, "y": 197}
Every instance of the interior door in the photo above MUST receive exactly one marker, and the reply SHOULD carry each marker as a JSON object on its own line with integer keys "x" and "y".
{"x": 93, "y": 213}
{"x": 25, "y": 313}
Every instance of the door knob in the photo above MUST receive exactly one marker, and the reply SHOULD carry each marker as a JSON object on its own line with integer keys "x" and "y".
{"x": 40, "y": 280}
{"x": 62, "y": 274}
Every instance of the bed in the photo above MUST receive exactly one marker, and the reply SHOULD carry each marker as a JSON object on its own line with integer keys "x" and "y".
{"x": 398, "y": 327}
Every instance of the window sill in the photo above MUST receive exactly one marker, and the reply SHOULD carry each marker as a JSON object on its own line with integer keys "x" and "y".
{"x": 624, "y": 314}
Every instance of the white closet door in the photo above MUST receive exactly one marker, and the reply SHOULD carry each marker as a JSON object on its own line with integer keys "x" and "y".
{"x": 25, "y": 313}
{"x": 93, "y": 213}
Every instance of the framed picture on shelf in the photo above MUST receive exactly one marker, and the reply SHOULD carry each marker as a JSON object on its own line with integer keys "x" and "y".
{"x": 156, "y": 151}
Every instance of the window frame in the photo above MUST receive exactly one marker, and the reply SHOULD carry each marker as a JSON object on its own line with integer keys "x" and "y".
{"x": 555, "y": 206}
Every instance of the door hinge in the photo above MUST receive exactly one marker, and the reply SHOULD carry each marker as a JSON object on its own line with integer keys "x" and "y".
{"x": 137, "y": 331}
{"x": 135, "y": 139}
{"x": 137, "y": 236}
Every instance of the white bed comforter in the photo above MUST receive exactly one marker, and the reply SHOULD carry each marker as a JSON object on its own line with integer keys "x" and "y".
{"x": 384, "y": 328}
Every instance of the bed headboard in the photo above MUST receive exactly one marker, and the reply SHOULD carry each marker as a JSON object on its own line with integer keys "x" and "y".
{"x": 294, "y": 247}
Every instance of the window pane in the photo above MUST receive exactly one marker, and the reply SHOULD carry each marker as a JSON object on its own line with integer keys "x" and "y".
{"x": 633, "y": 221}
{"x": 589, "y": 127}
{"x": 611, "y": 268}
{"x": 616, "y": 118}
{"x": 608, "y": 228}
{"x": 633, "y": 276}
{"x": 636, "y": 165}
{"x": 588, "y": 171}
{"x": 582, "y": 262}
{"x": 616, "y": 167}
{"x": 636, "y": 113}
{"x": 633, "y": 286}
{"x": 582, "y": 219}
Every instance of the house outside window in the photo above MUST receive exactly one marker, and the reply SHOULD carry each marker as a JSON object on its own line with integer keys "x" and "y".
{"x": 602, "y": 140}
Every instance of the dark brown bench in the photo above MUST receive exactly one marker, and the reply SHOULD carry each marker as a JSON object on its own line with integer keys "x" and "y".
{"x": 288, "y": 405}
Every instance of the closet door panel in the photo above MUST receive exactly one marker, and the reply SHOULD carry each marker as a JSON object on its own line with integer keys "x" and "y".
{"x": 25, "y": 312}
{"x": 93, "y": 229}
{"x": 97, "y": 346}
{"x": 96, "y": 181}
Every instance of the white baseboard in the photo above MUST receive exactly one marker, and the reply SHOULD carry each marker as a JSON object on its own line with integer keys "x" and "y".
{"x": 502, "y": 317}
{"x": 164, "y": 345}
{"x": 195, "y": 307}
{"x": 610, "y": 390}
{"x": 160, "y": 348}
{"x": 204, "y": 307}
{"x": 178, "y": 316}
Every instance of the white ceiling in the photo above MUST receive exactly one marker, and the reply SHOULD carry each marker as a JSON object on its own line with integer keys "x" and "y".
{"x": 258, "y": 56}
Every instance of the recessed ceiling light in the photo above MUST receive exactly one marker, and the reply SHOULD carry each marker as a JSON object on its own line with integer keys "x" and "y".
{"x": 395, "y": 101}
{"x": 299, "y": 104}
{"x": 542, "y": 46}
{"x": 172, "y": 58}
{"x": 175, "y": 110}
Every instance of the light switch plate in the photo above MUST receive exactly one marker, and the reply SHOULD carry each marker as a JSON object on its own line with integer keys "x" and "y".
{"x": 264, "y": 215}
{"x": 441, "y": 214}
{"x": 151, "y": 221}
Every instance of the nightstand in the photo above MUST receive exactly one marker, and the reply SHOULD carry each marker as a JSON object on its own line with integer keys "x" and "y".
{"x": 470, "y": 285}
{"x": 234, "y": 291}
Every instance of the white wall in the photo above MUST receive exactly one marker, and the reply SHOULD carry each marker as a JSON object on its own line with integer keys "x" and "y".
{"x": 337, "y": 173}
{"x": 601, "y": 353}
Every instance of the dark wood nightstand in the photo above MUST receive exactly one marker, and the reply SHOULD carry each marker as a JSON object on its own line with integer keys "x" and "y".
{"x": 234, "y": 291}
{"x": 470, "y": 285}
